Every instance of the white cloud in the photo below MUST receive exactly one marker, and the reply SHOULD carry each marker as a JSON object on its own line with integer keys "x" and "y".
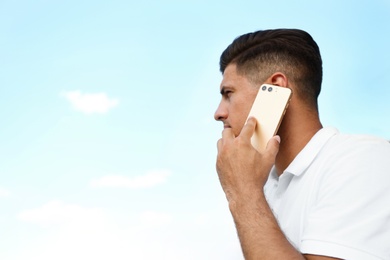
{"x": 56, "y": 212}
{"x": 148, "y": 180}
{"x": 90, "y": 233}
{"x": 90, "y": 103}
{"x": 4, "y": 193}
{"x": 112, "y": 238}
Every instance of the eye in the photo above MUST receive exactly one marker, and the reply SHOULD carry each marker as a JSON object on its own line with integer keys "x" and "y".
{"x": 228, "y": 93}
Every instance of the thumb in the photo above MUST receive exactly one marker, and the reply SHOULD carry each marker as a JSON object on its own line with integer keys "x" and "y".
{"x": 249, "y": 128}
{"x": 273, "y": 147}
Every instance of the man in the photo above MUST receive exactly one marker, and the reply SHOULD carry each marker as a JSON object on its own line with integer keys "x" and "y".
{"x": 313, "y": 193}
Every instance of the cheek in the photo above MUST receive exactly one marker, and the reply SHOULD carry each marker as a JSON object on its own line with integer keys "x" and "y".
{"x": 240, "y": 125}
{"x": 241, "y": 117}
{"x": 238, "y": 121}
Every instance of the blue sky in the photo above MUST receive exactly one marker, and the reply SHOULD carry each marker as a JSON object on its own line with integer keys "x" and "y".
{"x": 107, "y": 137}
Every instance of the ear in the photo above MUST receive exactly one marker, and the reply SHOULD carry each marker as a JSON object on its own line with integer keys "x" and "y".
{"x": 278, "y": 79}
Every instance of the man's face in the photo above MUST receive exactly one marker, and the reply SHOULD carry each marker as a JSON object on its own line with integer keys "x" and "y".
{"x": 238, "y": 94}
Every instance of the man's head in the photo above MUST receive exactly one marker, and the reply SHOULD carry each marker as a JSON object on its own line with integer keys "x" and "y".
{"x": 293, "y": 52}
{"x": 259, "y": 55}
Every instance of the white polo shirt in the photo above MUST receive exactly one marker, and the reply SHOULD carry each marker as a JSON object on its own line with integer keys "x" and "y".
{"x": 334, "y": 198}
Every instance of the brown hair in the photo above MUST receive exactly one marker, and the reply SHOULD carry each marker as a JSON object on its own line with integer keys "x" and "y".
{"x": 293, "y": 52}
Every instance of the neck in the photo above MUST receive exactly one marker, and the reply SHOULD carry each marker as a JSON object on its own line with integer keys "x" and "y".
{"x": 296, "y": 130}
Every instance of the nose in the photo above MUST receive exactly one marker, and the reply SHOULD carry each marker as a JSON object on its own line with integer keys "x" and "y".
{"x": 221, "y": 113}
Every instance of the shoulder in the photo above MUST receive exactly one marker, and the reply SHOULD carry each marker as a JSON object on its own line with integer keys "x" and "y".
{"x": 352, "y": 165}
{"x": 349, "y": 213}
{"x": 359, "y": 143}
{"x": 357, "y": 152}
{"x": 355, "y": 173}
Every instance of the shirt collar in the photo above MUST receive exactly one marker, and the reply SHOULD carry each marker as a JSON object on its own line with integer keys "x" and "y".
{"x": 310, "y": 151}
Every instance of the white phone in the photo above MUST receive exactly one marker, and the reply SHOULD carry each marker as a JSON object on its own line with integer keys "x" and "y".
{"x": 268, "y": 108}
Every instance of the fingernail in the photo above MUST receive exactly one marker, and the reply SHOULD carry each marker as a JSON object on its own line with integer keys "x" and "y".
{"x": 277, "y": 138}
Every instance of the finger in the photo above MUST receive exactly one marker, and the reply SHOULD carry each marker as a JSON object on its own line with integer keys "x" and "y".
{"x": 227, "y": 133}
{"x": 219, "y": 145}
{"x": 249, "y": 128}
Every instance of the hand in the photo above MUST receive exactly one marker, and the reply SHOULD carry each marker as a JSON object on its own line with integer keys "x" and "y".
{"x": 242, "y": 170}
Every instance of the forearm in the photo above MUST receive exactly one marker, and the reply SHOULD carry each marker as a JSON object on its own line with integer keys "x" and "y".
{"x": 259, "y": 233}
{"x": 243, "y": 173}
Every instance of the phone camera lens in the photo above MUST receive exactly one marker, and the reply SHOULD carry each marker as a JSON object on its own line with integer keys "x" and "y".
{"x": 264, "y": 88}
{"x": 270, "y": 89}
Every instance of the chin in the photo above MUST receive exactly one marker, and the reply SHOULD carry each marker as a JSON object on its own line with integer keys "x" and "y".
{"x": 236, "y": 132}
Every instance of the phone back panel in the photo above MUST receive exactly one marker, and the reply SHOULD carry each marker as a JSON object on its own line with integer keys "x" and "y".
{"x": 268, "y": 108}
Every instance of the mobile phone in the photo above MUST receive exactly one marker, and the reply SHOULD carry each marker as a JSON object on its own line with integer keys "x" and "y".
{"x": 268, "y": 108}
